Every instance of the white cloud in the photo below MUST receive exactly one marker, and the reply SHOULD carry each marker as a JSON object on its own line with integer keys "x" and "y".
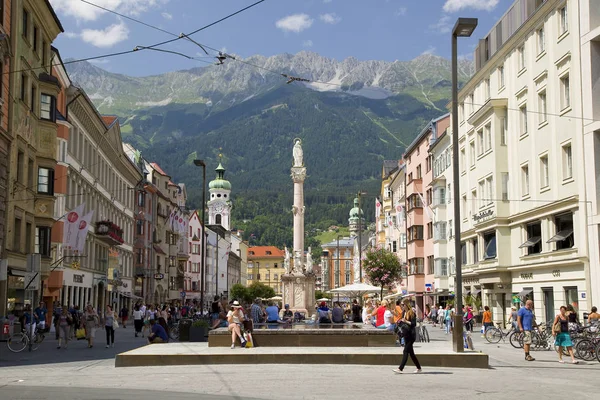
{"x": 457, "y": 5}
{"x": 307, "y": 43}
{"x": 294, "y": 23}
{"x": 401, "y": 12}
{"x": 71, "y": 35}
{"x": 107, "y": 37}
{"x": 166, "y": 15}
{"x": 82, "y": 11}
{"x": 330, "y": 18}
{"x": 442, "y": 26}
{"x": 429, "y": 51}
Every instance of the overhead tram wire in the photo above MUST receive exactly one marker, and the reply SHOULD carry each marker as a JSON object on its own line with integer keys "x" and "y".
{"x": 134, "y": 50}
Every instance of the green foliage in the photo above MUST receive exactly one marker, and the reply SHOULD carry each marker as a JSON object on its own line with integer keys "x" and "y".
{"x": 320, "y": 295}
{"x": 260, "y": 290}
{"x": 239, "y": 292}
{"x": 468, "y": 300}
{"x": 200, "y": 324}
{"x": 382, "y": 267}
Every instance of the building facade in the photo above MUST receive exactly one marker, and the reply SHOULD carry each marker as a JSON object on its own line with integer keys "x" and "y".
{"x": 265, "y": 265}
{"x": 337, "y": 263}
{"x": 523, "y": 205}
{"x": 396, "y": 231}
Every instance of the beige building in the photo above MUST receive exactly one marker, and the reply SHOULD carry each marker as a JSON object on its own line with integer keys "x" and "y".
{"x": 524, "y": 233}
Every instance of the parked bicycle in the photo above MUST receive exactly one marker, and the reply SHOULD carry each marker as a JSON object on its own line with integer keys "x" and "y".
{"x": 18, "y": 342}
{"x": 422, "y": 332}
{"x": 495, "y": 333}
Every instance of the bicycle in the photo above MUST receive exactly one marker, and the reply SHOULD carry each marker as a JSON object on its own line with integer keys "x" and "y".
{"x": 17, "y": 342}
{"x": 495, "y": 333}
{"x": 174, "y": 330}
{"x": 422, "y": 332}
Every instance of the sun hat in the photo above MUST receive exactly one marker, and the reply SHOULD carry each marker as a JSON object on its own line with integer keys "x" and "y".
{"x": 236, "y": 304}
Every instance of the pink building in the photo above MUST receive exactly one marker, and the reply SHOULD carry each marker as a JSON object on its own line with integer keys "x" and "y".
{"x": 419, "y": 216}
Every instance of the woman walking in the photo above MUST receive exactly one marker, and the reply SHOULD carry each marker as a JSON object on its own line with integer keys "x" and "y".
{"x": 410, "y": 337}
{"x": 65, "y": 320}
{"x": 91, "y": 320}
{"x": 138, "y": 320}
{"x": 109, "y": 326}
{"x": 560, "y": 329}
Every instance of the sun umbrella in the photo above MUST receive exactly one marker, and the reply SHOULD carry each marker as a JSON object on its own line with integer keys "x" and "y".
{"x": 323, "y": 299}
{"x": 357, "y": 289}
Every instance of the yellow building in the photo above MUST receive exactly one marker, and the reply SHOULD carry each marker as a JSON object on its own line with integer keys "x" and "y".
{"x": 265, "y": 265}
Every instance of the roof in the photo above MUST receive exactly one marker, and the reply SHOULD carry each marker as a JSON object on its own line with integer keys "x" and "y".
{"x": 109, "y": 120}
{"x": 54, "y": 16}
{"x": 158, "y": 169}
{"x": 261, "y": 252}
{"x": 389, "y": 166}
{"x": 344, "y": 242}
{"x": 430, "y": 125}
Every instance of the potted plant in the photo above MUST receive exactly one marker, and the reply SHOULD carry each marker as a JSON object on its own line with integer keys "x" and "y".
{"x": 199, "y": 331}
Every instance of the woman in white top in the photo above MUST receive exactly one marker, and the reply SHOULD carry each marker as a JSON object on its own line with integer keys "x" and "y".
{"x": 138, "y": 320}
{"x": 235, "y": 317}
{"x": 388, "y": 318}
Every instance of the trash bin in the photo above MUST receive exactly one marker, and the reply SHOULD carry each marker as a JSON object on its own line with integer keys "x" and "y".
{"x": 184, "y": 330}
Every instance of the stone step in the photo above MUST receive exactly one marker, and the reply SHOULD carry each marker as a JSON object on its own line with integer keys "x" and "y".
{"x": 200, "y": 353}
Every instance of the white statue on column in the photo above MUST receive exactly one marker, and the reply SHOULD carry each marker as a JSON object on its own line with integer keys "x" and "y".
{"x": 309, "y": 261}
{"x": 286, "y": 261}
{"x": 297, "y": 262}
{"x": 298, "y": 153}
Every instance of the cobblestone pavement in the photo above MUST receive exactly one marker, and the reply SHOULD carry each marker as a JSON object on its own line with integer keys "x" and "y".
{"x": 92, "y": 375}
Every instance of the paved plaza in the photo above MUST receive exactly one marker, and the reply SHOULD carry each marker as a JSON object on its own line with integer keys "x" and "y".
{"x": 81, "y": 373}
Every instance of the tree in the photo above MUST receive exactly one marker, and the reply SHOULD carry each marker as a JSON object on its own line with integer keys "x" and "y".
{"x": 239, "y": 292}
{"x": 382, "y": 267}
{"x": 320, "y": 295}
{"x": 260, "y": 290}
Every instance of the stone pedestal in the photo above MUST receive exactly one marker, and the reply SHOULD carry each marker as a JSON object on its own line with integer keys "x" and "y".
{"x": 299, "y": 293}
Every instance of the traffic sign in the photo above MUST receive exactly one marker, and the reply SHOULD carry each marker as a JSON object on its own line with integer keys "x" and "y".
{"x": 182, "y": 294}
{"x": 428, "y": 287}
{"x": 32, "y": 280}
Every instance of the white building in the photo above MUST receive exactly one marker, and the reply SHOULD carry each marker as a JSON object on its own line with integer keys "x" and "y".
{"x": 193, "y": 279}
{"x": 522, "y": 181}
{"x": 442, "y": 207}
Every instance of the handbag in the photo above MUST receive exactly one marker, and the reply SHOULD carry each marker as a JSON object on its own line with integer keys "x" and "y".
{"x": 115, "y": 323}
{"x": 556, "y": 327}
{"x": 80, "y": 334}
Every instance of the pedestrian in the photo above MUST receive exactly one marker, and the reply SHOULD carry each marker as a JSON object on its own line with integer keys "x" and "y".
{"x": 158, "y": 334}
{"x": 235, "y": 317}
{"x": 91, "y": 321}
{"x": 525, "y": 322}
{"x": 441, "y": 317}
{"x": 573, "y": 318}
{"x": 40, "y": 313}
{"x": 410, "y": 319}
{"x": 56, "y": 311}
{"x": 513, "y": 318}
{"x": 124, "y": 314}
{"x": 433, "y": 314}
{"x": 65, "y": 321}
{"x": 487, "y": 319}
{"x": 109, "y": 326}
{"x": 448, "y": 318}
{"x": 560, "y": 330}
{"x": 594, "y": 316}
{"x": 138, "y": 320}
{"x": 356, "y": 311}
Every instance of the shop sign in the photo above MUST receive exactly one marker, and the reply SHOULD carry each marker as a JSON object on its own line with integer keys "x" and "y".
{"x": 483, "y": 215}
{"x": 527, "y": 275}
{"x": 556, "y": 273}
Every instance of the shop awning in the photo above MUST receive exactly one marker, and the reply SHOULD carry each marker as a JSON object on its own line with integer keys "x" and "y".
{"x": 525, "y": 292}
{"x": 531, "y": 242}
{"x": 159, "y": 250}
{"x": 130, "y": 295}
{"x": 476, "y": 292}
{"x": 562, "y": 235}
{"x": 468, "y": 292}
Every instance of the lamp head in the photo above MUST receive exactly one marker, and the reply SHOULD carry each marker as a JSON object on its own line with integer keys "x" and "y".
{"x": 199, "y": 163}
{"x": 464, "y": 27}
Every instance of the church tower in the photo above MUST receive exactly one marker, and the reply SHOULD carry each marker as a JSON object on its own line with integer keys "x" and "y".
{"x": 219, "y": 204}
{"x": 356, "y": 220}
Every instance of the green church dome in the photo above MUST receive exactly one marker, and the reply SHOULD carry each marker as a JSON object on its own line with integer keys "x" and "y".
{"x": 220, "y": 182}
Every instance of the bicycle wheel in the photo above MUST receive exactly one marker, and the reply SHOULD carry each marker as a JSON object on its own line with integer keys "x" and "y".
{"x": 516, "y": 340}
{"x": 598, "y": 351}
{"x": 174, "y": 332}
{"x": 426, "y": 335}
{"x": 37, "y": 340}
{"x": 17, "y": 342}
{"x": 585, "y": 350}
{"x": 493, "y": 335}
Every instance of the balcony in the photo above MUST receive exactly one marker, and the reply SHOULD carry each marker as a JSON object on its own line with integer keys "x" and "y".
{"x": 110, "y": 233}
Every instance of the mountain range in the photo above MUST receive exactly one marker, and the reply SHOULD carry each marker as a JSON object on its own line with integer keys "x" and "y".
{"x": 351, "y": 115}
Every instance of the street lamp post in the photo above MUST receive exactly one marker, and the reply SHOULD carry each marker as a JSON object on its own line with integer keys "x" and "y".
{"x": 464, "y": 27}
{"x": 201, "y": 163}
{"x": 360, "y": 218}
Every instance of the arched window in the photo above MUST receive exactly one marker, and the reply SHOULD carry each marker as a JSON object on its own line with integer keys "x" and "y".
{"x": 218, "y": 219}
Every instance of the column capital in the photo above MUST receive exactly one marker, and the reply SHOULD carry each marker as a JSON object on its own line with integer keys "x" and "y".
{"x": 298, "y": 174}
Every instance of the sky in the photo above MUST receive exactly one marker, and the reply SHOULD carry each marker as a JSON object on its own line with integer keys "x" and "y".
{"x": 365, "y": 29}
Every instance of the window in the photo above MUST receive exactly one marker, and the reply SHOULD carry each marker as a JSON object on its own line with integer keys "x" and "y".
{"x": 25, "y": 23}
{"x": 402, "y": 238}
{"x": 521, "y": 57}
{"x": 563, "y": 20}
{"x": 567, "y": 156}
{"x": 415, "y": 232}
{"x": 140, "y": 256}
{"x": 429, "y": 195}
{"x": 141, "y": 199}
{"x": 544, "y": 173}
{"x": 463, "y": 253}
{"x": 541, "y": 41}
{"x": 23, "y": 87}
{"x": 504, "y": 131}
{"x": 28, "y": 237}
{"x": 30, "y": 174}
{"x": 414, "y": 201}
{"x": 489, "y": 182}
{"x": 525, "y": 180}
{"x": 35, "y": 38}
{"x": 471, "y": 104}
{"x": 565, "y": 92}
{"x": 482, "y": 201}
{"x": 542, "y": 107}
{"x": 441, "y": 267}
{"x": 44, "y": 45}
{"x": 504, "y": 176}
{"x": 416, "y": 266}
{"x": 450, "y": 226}
{"x": 410, "y": 178}
{"x": 47, "y": 107}
{"x": 461, "y": 111}
{"x": 32, "y": 100}
{"x": 429, "y": 230}
{"x": 480, "y": 145}
{"x": 487, "y": 133}
{"x": 449, "y": 193}
{"x": 218, "y": 219}
{"x": 42, "y": 241}
{"x": 534, "y": 238}
{"x": 475, "y": 251}
{"x": 487, "y": 89}
{"x": 564, "y": 237}
{"x": 489, "y": 245}
{"x": 439, "y": 232}
{"x": 474, "y": 199}
{"x": 430, "y": 265}
{"x": 419, "y": 176}
{"x": 523, "y": 119}
{"x": 439, "y": 196}
{"x": 45, "y": 181}
{"x": 501, "y": 76}
{"x": 463, "y": 211}
{"x": 428, "y": 164}
{"x": 139, "y": 224}
{"x": 462, "y": 159}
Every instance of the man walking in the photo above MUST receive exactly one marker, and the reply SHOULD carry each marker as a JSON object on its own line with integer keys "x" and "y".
{"x": 525, "y": 322}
